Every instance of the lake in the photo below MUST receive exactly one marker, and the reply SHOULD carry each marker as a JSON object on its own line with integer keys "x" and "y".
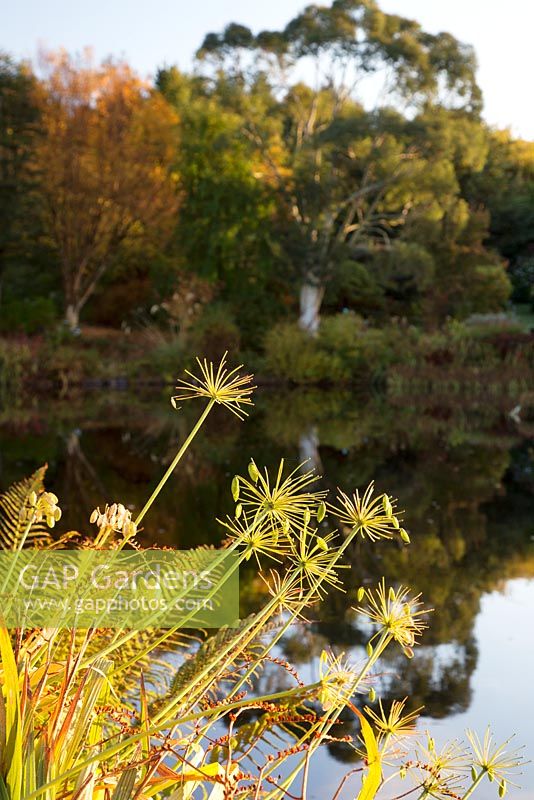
{"x": 464, "y": 473}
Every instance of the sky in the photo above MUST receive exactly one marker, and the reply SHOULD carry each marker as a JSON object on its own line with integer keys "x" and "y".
{"x": 151, "y": 34}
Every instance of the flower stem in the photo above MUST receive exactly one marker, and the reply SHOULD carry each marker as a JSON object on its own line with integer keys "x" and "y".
{"x": 175, "y": 461}
{"x": 474, "y": 785}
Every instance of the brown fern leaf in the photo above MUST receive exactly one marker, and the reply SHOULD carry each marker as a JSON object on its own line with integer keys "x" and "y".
{"x": 13, "y": 503}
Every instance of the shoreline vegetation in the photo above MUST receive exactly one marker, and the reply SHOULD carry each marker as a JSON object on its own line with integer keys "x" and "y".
{"x": 495, "y": 355}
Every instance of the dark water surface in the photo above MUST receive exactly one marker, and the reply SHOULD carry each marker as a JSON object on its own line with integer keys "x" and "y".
{"x": 464, "y": 475}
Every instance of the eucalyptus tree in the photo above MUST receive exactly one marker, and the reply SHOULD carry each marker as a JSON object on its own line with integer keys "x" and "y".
{"x": 335, "y": 165}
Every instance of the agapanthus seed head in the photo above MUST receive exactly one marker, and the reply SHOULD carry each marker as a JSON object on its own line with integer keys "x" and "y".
{"x": 396, "y": 613}
{"x": 367, "y": 516}
{"x": 223, "y": 386}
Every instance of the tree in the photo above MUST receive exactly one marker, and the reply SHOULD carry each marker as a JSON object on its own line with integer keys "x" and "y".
{"x": 336, "y": 167}
{"x": 18, "y": 127}
{"x": 506, "y": 188}
{"x": 104, "y": 163}
{"x": 224, "y": 230}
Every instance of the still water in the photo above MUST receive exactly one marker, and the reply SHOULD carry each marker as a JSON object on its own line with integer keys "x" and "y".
{"x": 463, "y": 474}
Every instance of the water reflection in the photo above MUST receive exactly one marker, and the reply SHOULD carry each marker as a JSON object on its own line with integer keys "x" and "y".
{"x": 464, "y": 475}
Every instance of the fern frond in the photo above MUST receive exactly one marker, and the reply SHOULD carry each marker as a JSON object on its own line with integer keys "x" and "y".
{"x": 13, "y": 504}
{"x": 208, "y": 656}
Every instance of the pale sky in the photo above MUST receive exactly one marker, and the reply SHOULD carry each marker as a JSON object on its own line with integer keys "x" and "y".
{"x": 156, "y": 32}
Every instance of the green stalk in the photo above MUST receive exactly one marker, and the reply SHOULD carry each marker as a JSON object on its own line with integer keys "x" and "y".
{"x": 474, "y": 785}
{"x": 175, "y": 461}
{"x": 113, "y": 750}
{"x": 306, "y": 599}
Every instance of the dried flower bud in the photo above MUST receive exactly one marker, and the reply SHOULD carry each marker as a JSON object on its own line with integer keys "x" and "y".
{"x": 115, "y": 517}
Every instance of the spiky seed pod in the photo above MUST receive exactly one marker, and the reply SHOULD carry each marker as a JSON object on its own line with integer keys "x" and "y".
{"x": 235, "y": 488}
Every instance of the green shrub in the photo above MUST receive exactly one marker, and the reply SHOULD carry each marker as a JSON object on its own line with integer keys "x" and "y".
{"x": 293, "y": 355}
{"x": 29, "y": 315}
{"x": 346, "y": 349}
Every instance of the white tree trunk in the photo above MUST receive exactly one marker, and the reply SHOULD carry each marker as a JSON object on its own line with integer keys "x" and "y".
{"x": 72, "y": 317}
{"x": 311, "y": 297}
